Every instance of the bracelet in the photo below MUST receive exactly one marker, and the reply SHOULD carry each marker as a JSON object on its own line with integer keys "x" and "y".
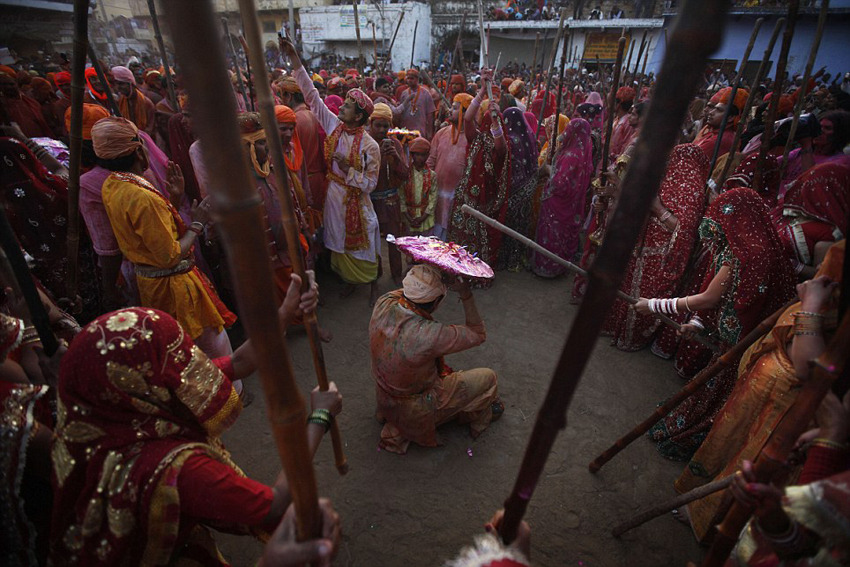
{"x": 497, "y": 133}
{"x": 665, "y": 306}
{"x": 687, "y": 307}
{"x": 829, "y": 444}
{"x": 321, "y": 417}
{"x": 807, "y": 323}
{"x": 697, "y": 322}
{"x": 665, "y": 216}
{"x": 29, "y": 336}
{"x": 810, "y": 314}
{"x": 789, "y": 536}
{"x": 197, "y": 227}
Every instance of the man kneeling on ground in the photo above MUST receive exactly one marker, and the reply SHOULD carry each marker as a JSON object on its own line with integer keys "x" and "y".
{"x": 415, "y": 389}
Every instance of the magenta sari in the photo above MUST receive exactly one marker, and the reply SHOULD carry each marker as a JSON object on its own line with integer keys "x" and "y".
{"x": 562, "y": 203}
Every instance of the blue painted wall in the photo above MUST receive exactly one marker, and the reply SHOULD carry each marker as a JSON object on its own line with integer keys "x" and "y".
{"x": 834, "y": 51}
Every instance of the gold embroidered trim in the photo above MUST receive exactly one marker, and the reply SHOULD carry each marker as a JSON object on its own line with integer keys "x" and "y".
{"x": 199, "y": 382}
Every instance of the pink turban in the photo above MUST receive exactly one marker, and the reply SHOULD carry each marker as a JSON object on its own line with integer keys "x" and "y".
{"x": 123, "y": 74}
{"x": 363, "y": 101}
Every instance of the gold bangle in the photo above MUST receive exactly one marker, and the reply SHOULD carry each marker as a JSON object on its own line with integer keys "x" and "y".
{"x": 828, "y": 444}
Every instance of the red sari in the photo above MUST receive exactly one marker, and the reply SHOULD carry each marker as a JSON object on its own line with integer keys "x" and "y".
{"x": 745, "y": 173}
{"x": 737, "y": 232}
{"x": 137, "y": 401}
{"x": 659, "y": 260}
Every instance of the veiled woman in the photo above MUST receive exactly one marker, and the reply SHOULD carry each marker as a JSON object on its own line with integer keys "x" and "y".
{"x": 747, "y": 279}
{"x": 563, "y": 198}
{"x": 518, "y": 214}
{"x": 659, "y": 260}
{"x": 766, "y": 388}
{"x": 138, "y": 467}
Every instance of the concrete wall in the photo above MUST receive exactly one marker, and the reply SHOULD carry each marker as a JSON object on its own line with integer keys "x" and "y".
{"x": 332, "y": 28}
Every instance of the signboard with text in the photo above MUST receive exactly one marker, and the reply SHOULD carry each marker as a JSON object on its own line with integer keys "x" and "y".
{"x": 603, "y": 45}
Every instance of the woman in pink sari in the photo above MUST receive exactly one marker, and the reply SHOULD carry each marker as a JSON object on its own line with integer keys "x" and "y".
{"x": 562, "y": 203}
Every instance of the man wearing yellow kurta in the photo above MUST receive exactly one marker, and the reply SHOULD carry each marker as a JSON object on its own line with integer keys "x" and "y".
{"x": 418, "y": 197}
{"x": 152, "y": 236}
{"x": 353, "y": 157}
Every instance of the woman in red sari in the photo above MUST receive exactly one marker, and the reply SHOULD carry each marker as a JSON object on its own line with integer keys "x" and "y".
{"x": 813, "y": 215}
{"x": 658, "y": 263}
{"x": 747, "y": 279}
{"x": 138, "y": 467}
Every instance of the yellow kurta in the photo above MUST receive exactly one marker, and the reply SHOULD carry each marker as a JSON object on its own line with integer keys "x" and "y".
{"x": 423, "y": 200}
{"x": 147, "y": 235}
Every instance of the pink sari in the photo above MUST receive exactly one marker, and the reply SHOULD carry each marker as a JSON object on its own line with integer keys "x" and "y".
{"x": 562, "y": 203}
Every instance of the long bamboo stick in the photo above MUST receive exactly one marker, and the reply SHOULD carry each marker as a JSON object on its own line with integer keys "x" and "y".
{"x": 813, "y": 53}
{"x": 413, "y": 45}
{"x": 639, "y": 54}
{"x": 548, "y": 77}
{"x": 736, "y": 83}
{"x": 235, "y": 62}
{"x": 762, "y": 70}
{"x": 572, "y": 267}
{"x": 485, "y": 48}
{"x": 357, "y": 32}
{"x": 78, "y": 63}
{"x": 166, "y": 69}
{"x": 534, "y": 55}
{"x": 111, "y": 105}
{"x": 392, "y": 41}
{"x": 290, "y": 225}
{"x": 553, "y": 146}
{"x": 697, "y": 33}
{"x": 625, "y": 70}
{"x": 374, "y": 51}
{"x": 730, "y": 357}
{"x": 773, "y": 108}
{"x": 672, "y": 504}
{"x": 455, "y": 54}
{"x": 771, "y": 460}
{"x": 193, "y": 28}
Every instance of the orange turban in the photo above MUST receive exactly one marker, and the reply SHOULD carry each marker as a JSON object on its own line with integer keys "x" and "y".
{"x": 412, "y": 73}
{"x": 786, "y": 104}
{"x": 91, "y": 114}
{"x": 114, "y": 137}
{"x": 9, "y": 71}
{"x": 458, "y": 80}
{"x": 515, "y": 87}
{"x": 284, "y": 114}
{"x": 420, "y": 146}
{"x": 400, "y": 75}
{"x": 464, "y": 99}
{"x": 625, "y": 94}
{"x": 506, "y": 83}
{"x": 62, "y": 78}
{"x": 722, "y": 97}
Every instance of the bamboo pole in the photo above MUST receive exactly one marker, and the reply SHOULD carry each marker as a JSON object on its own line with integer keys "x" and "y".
{"x": 78, "y": 63}
{"x": 413, "y": 46}
{"x": 534, "y": 56}
{"x": 553, "y": 143}
{"x": 548, "y": 77}
{"x": 392, "y": 42}
{"x": 572, "y": 267}
{"x": 736, "y": 83}
{"x": 485, "y": 49}
{"x": 770, "y": 462}
{"x": 798, "y": 108}
{"x": 166, "y": 69}
{"x": 639, "y": 54}
{"x": 729, "y": 358}
{"x": 773, "y": 108}
{"x": 193, "y": 28}
{"x": 697, "y": 33}
{"x": 249, "y": 75}
{"x": 673, "y": 504}
{"x": 290, "y": 225}
{"x": 751, "y": 97}
{"x": 625, "y": 70}
{"x": 235, "y": 62}
{"x": 357, "y": 32}
{"x": 111, "y": 105}
{"x": 374, "y": 51}
{"x": 456, "y": 53}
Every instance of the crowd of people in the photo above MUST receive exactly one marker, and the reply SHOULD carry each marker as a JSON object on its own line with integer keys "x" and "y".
{"x": 112, "y": 444}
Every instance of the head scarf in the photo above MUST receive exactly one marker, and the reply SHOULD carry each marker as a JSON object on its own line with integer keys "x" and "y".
{"x": 523, "y": 149}
{"x": 136, "y": 399}
{"x": 252, "y": 131}
{"x": 548, "y": 131}
{"x": 352, "y": 72}
{"x": 286, "y": 115}
{"x": 625, "y": 94}
{"x": 420, "y": 146}
{"x": 515, "y": 87}
{"x": 5, "y": 69}
{"x": 745, "y": 172}
{"x": 62, "y": 78}
{"x": 506, "y": 83}
{"x": 152, "y": 77}
{"x": 531, "y": 120}
{"x": 423, "y": 284}
{"x": 317, "y": 78}
{"x": 91, "y": 114}
{"x": 737, "y": 230}
{"x": 382, "y": 112}
{"x": 723, "y": 97}
{"x": 41, "y": 86}
{"x": 537, "y": 103}
{"x": 362, "y": 101}
{"x": 786, "y": 104}
{"x": 289, "y": 85}
{"x": 412, "y": 72}
{"x": 821, "y": 193}
{"x": 114, "y": 137}
{"x": 562, "y": 201}
{"x": 123, "y": 74}
{"x": 458, "y": 80}
{"x": 90, "y": 72}
{"x": 335, "y": 84}
{"x": 464, "y": 99}
{"x": 333, "y": 102}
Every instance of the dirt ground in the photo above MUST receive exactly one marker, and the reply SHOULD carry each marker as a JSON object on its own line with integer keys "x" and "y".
{"x": 420, "y": 509}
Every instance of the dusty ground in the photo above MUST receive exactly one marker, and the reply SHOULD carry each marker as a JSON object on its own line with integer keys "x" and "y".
{"x": 421, "y": 508}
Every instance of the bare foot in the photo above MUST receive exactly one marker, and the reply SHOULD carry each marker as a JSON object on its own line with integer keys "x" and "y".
{"x": 325, "y": 336}
{"x": 374, "y": 294}
{"x": 347, "y": 291}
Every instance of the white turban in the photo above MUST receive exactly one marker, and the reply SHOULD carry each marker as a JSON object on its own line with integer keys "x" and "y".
{"x": 423, "y": 284}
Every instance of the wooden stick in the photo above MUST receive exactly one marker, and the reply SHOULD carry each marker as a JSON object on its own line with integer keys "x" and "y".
{"x": 697, "y": 33}
{"x": 392, "y": 42}
{"x": 193, "y": 28}
{"x": 731, "y": 104}
{"x": 572, "y": 267}
{"x": 673, "y": 504}
{"x": 625, "y": 70}
{"x": 751, "y": 97}
{"x": 235, "y": 62}
{"x": 455, "y": 54}
{"x": 730, "y": 357}
{"x": 770, "y": 462}
{"x": 111, "y": 105}
{"x": 374, "y": 51}
{"x": 166, "y": 69}
{"x": 248, "y": 74}
{"x": 798, "y": 108}
{"x": 548, "y": 77}
{"x": 485, "y": 48}
{"x": 553, "y": 143}
{"x": 413, "y": 45}
{"x": 773, "y": 108}
{"x": 534, "y": 56}
{"x": 359, "y": 43}
{"x": 78, "y": 63}
{"x": 290, "y": 224}
{"x": 38, "y": 314}
{"x": 639, "y": 54}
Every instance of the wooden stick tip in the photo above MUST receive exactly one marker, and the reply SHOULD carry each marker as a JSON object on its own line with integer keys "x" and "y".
{"x": 342, "y": 468}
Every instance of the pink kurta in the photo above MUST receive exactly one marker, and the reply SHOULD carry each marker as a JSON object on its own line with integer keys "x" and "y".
{"x": 448, "y": 162}
{"x": 621, "y": 137}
